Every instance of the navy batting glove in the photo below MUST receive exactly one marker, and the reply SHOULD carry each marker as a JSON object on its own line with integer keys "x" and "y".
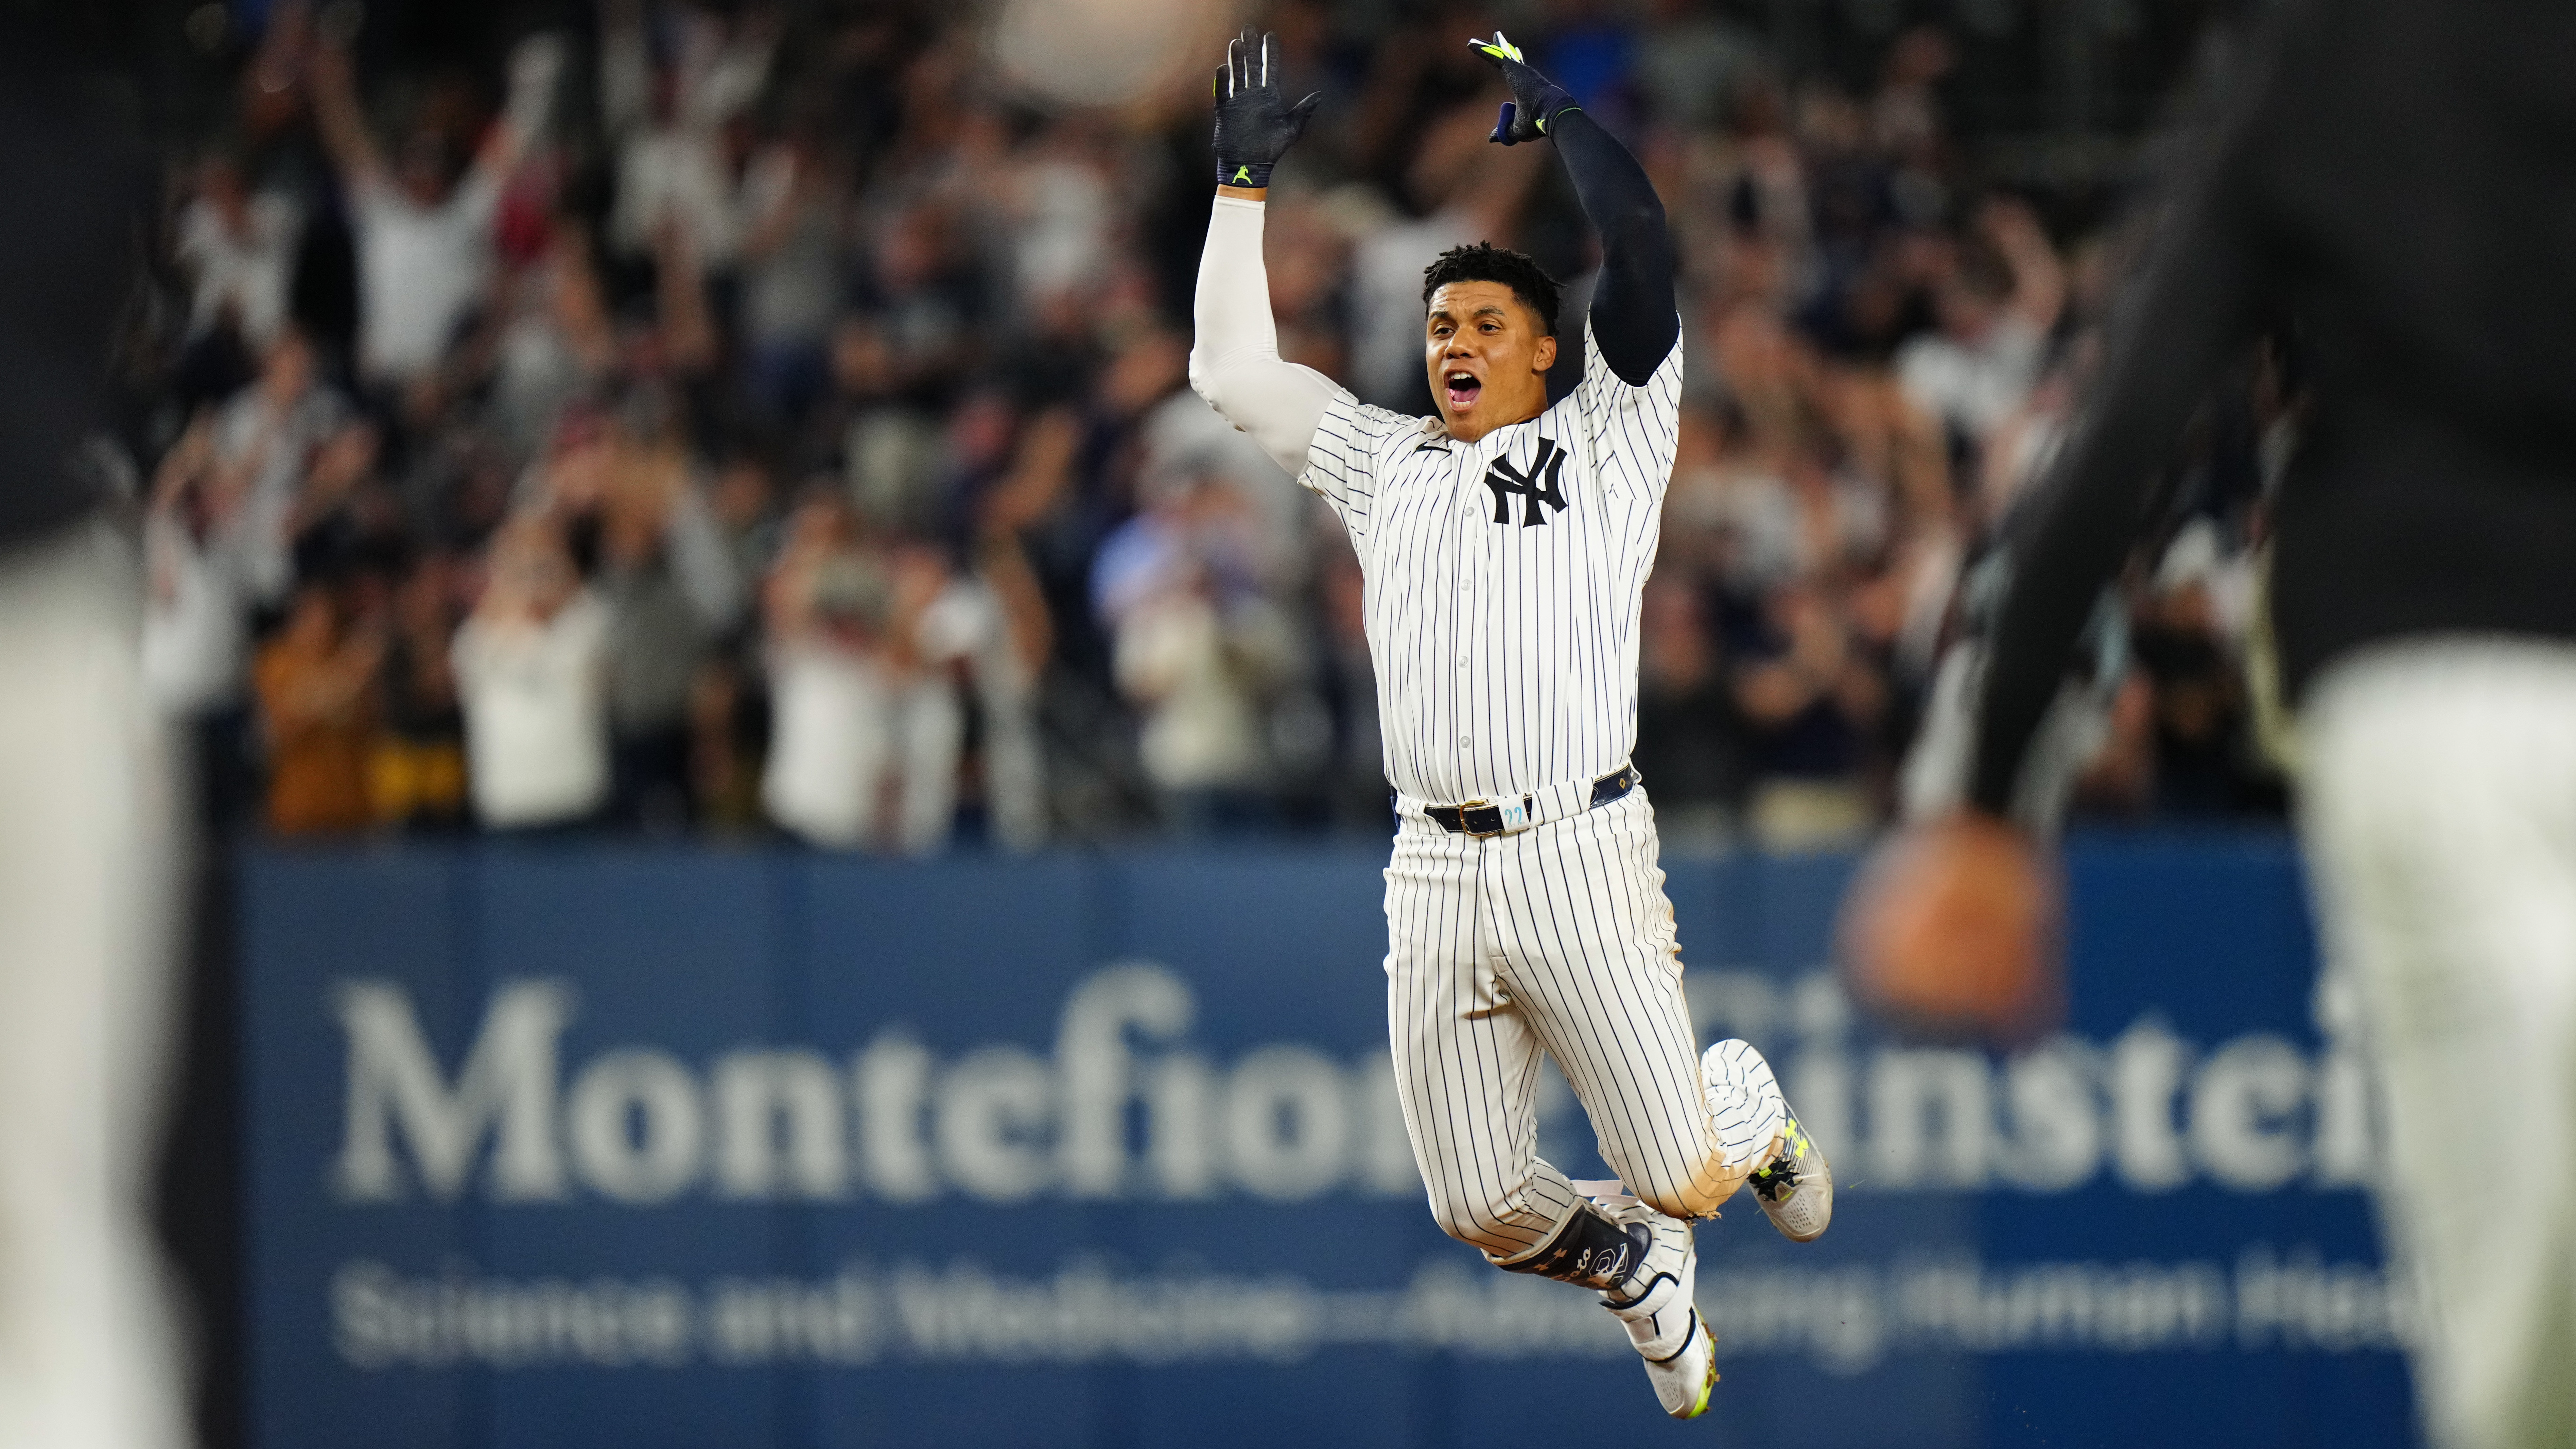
{"x": 1254, "y": 126}
{"x": 1536, "y": 101}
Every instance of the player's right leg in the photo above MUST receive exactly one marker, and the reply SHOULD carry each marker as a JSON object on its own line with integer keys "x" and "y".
{"x": 1466, "y": 1066}
{"x": 2438, "y": 810}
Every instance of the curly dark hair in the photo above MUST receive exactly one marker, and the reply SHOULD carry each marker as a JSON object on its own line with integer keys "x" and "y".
{"x": 1485, "y": 262}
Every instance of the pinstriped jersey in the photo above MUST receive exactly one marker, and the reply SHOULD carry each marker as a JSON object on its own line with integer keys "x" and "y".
{"x": 1502, "y": 578}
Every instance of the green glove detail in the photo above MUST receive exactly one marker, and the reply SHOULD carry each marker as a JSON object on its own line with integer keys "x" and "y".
{"x": 1254, "y": 126}
{"x": 1536, "y": 101}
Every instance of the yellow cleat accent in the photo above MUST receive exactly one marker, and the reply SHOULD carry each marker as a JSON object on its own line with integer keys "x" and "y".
{"x": 1704, "y": 1390}
{"x": 1707, "y": 1386}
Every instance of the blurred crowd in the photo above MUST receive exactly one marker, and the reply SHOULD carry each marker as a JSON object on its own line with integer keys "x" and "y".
{"x": 724, "y": 419}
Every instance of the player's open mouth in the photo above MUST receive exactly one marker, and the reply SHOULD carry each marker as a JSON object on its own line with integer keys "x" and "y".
{"x": 1462, "y": 388}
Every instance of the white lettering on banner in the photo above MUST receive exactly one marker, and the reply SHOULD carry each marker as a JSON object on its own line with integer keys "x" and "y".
{"x": 507, "y": 1084}
{"x": 380, "y": 1320}
{"x": 636, "y": 1126}
{"x": 1126, "y": 1106}
{"x": 2147, "y": 1063}
{"x": 2297, "y": 1300}
{"x": 1180, "y": 1135}
{"x": 1844, "y": 1317}
{"x": 761, "y": 1096}
{"x": 1288, "y": 1124}
{"x": 991, "y": 1123}
{"x": 2243, "y": 1104}
{"x": 891, "y": 1076}
{"x": 1935, "y": 1118}
{"x": 2055, "y": 1141}
{"x": 1099, "y": 1079}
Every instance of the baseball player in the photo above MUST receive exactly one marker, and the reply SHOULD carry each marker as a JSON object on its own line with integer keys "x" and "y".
{"x": 88, "y": 1353}
{"x": 1504, "y": 543}
{"x": 2392, "y": 188}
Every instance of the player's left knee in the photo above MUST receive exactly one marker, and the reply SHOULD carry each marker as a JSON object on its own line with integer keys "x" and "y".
{"x": 1697, "y": 1196}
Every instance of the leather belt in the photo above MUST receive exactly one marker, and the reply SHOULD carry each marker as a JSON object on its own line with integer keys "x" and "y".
{"x": 1484, "y": 819}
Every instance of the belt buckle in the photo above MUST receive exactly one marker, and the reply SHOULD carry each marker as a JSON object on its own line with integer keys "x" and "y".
{"x": 1470, "y": 831}
{"x": 1510, "y": 818}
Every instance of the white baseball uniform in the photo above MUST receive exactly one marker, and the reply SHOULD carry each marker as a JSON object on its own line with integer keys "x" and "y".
{"x": 1503, "y": 580}
{"x": 2438, "y": 808}
{"x": 87, "y": 1357}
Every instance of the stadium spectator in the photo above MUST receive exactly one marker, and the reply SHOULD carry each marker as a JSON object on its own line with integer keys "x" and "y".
{"x": 196, "y": 637}
{"x": 424, "y": 236}
{"x": 1813, "y": 698}
{"x": 1690, "y": 735}
{"x": 675, "y": 124}
{"x": 318, "y": 714}
{"x": 531, "y": 667}
{"x": 417, "y": 776}
{"x": 802, "y": 250}
{"x": 262, "y": 440}
{"x": 869, "y": 723}
{"x": 667, "y": 575}
{"x": 793, "y": 266}
{"x": 1200, "y": 646}
{"x": 825, "y": 606}
{"x": 1996, "y": 307}
{"x": 239, "y": 249}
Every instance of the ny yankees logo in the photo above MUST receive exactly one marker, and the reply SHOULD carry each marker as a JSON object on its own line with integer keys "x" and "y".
{"x": 1507, "y": 480}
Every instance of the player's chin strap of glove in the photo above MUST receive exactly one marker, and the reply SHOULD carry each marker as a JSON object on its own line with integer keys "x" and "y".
{"x": 1536, "y": 101}
{"x": 1255, "y": 126}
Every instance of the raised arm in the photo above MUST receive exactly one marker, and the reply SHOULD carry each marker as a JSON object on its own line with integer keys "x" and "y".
{"x": 341, "y": 120}
{"x": 1633, "y": 316}
{"x": 534, "y": 64}
{"x": 1234, "y": 354}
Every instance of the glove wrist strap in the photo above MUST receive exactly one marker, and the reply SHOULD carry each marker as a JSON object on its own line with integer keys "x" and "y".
{"x": 1252, "y": 175}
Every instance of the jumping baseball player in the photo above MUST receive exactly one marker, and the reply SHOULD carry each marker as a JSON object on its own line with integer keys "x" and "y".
{"x": 1504, "y": 543}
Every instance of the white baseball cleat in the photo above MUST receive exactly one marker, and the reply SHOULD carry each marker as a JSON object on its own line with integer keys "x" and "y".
{"x": 1796, "y": 1186}
{"x": 1654, "y": 1305}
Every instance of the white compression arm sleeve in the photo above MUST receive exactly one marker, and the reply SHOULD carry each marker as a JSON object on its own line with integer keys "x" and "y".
{"x": 1234, "y": 360}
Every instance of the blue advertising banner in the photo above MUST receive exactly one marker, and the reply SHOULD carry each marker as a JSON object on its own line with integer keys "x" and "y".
{"x": 635, "y": 1147}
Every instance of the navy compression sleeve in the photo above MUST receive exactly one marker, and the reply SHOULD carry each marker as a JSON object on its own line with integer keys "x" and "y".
{"x": 1633, "y": 316}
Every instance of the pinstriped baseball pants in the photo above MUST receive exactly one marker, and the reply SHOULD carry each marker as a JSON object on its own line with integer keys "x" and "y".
{"x": 2438, "y": 810}
{"x": 1557, "y": 940}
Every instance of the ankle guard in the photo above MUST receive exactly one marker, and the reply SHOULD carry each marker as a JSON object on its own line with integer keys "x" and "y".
{"x": 1590, "y": 1250}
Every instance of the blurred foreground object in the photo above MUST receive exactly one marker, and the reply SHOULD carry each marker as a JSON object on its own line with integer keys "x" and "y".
{"x": 2389, "y": 190}
{"x": 1101, "y": 52}
{"x": 1953, "y": 930}
{"x": 86, "y": 1358}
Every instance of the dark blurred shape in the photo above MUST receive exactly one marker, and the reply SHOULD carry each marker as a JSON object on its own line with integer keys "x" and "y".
{"x": 67, "y": 264}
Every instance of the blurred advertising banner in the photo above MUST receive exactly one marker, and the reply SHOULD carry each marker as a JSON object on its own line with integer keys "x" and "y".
{"x": 638, "y": 1147}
